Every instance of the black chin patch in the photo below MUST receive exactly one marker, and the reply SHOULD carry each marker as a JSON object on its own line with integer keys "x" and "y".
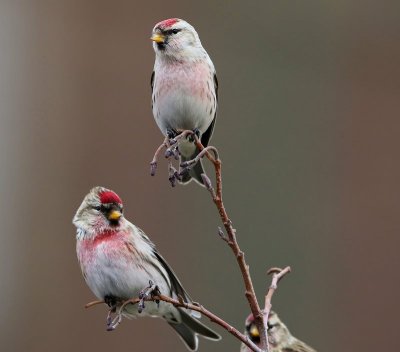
{"x": 255, "y": 339}
{"x": 161, "y": 46}
{"x": 114, "y": 222}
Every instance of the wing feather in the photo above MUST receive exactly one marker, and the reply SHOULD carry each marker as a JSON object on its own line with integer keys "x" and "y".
{"x": 176, "y": 286}
{"x": 206, "y": 136}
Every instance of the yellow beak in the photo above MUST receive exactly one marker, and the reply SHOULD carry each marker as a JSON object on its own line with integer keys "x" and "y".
{"x": 158, "y": 38}
{"x": 114, "y": 215}
{"x": 254, "y": 331}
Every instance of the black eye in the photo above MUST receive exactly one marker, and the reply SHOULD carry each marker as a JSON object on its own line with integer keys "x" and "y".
{"x": 173, "y": 31}
{"x": 98, "y": 208}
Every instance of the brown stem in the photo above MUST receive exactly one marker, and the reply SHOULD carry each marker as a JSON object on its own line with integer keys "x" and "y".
{"x": 232, "y": 242}
{"x": 94, "y": 303}
{"x": 260, "y": 317}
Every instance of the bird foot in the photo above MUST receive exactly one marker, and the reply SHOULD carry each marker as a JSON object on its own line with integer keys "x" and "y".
{"x": 149, "y": 292}
{"x": 111, "y": 301}
{"x": 196, "y": 132}
{"x": 171, "y": 133}
{"x": 117, "y": 306}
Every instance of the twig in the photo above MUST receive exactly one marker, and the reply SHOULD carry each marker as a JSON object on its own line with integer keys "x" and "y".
{"x": 260, "y": 318}
{"x": 93, "y": 303}
{"x": 232, "y": 241}
{"x": 153, "y": 164}
{"x": 277, "y": 275}
{"x": 180, "y": 303}
{"x": 205, "y": 151}
{"x": 171, "y": 149}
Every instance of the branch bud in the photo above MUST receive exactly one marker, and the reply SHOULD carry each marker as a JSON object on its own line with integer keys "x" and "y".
{"x": 153, "y": 168}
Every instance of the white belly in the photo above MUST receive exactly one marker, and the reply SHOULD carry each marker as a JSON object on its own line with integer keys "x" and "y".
{"x": 109, "y": 273}
{"x": 184, "y": 97}
{"x": 179, "y": 111}
{"x": 125, "y": 282}
{"x": 122, "y": 281}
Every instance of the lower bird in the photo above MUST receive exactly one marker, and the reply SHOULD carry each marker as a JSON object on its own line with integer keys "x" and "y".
{"x": 279, "y": 337}
{"x": 118, "y": 260}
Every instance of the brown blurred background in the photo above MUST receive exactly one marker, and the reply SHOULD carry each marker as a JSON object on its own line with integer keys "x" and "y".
{"x": 308, "y": 130}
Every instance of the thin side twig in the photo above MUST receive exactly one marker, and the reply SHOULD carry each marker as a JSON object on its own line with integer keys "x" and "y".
{"x": 277, "y": 275}
{"x": 93, "y": 303}
{"x": 153, "y": 163}
{"x": 199, "y": 156}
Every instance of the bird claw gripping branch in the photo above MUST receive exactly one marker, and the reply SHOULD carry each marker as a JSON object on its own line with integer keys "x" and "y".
{"x": 173, "y": 175}
{"x": 172, "y": 150}
{"x": 149, "y": 292}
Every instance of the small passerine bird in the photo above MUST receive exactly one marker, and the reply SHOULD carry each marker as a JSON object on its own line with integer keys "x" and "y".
{"x": 279, "y": 337}
{"x": 118, "y": 260}
{"x": 184, "y": 88}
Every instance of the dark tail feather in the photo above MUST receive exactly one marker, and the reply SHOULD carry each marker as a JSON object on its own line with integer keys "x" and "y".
{"x": 194, "y": 172}
{"x": 190, "y": 327}
{"x": 187, "y": 335}
{"x": 198, "y": 327}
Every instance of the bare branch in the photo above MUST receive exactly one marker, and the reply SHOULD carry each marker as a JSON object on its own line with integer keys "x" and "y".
{"x": 277, "y": 275}
{"x": 112, "y": 325}
{"x": 153, "y": 164}
{"x": 260, "y": 317}
{"x": 232, "y": 242}
{"x": 94, "y": 303}
{"x": 200, "y": 155}
{"x": 208, "y": 184}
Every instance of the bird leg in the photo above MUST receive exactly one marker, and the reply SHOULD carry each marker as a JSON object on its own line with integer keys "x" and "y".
{"x": 112, "y": 302}
{"x": 172, "y": 148}
{"x": 171, "y": 133}
{"x": 149, "y": 292}
{"x": 171, "y": 145}
{"x": 196, "y": 133}
{"x": 173, "y": 175}
{"x": 177, "y": 153}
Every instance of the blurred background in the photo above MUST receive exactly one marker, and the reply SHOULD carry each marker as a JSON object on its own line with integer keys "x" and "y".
{"x": 308, "y": 130}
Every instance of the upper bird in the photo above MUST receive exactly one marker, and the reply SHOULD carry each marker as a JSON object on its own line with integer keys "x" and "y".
{"x": 184, "y": 88}
{"x": 118, "y": 260}
{"x": 279, "y": 337}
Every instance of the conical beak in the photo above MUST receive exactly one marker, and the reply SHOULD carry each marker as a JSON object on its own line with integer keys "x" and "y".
{"x": 158, "y": 38}
{"x": 254, "y": 331}
{"x": 114, "y": 215}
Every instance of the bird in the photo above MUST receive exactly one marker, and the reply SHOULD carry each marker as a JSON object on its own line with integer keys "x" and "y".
{"x": 279, "y": 337}
{"x": 184, "y": 89}
{"x": 118, "y": 260}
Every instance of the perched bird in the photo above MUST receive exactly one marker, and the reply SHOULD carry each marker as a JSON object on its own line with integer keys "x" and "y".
{"x": 279, "y": 337}
{"x": 184, "y": 88}
{"x": 118, "y": 260}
